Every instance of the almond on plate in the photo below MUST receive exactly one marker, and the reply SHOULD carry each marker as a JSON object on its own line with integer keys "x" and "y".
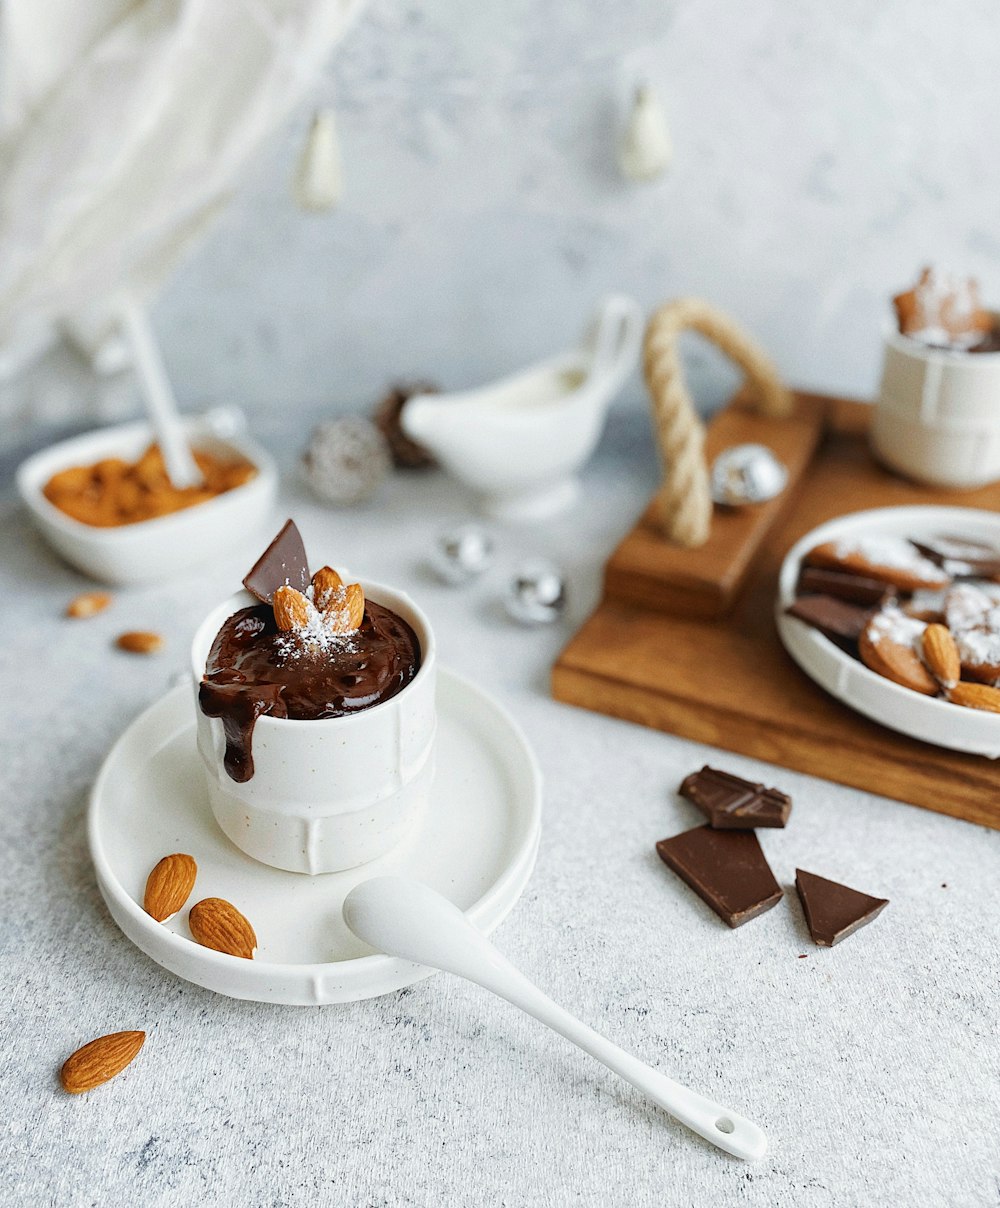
{"x": 88, "y": 604}
{"x": 169, "y": 885}
{"x": 216, "y": 923}
{"x": 941, "y": 655}
{"x": 99, "y": 1061}
{"x": 976, "y": 696}
{"x": 139, "y": 641}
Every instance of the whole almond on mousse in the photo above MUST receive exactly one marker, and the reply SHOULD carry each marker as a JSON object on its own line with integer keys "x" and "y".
{"x": 169, "y": 886}
{"x": 88, "y": 604}
{"x": 216, "y": 923}
{"x": 99, "y": 1061}
{"x": 325, "y": 583}
{"x": 139, "y": 641}
{"x": 976, "y": 696}
{"x": 941, "y": 655}
{"x": 291, "y": 609}
{"x": 346, "y": 609}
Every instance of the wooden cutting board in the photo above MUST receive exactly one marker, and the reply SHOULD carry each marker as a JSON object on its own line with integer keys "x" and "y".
{"x": 685, "y": 641}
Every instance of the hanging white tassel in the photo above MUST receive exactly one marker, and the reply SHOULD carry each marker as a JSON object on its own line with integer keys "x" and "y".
{"x": 646, "y": 149}
{"x": 319, "y": 180}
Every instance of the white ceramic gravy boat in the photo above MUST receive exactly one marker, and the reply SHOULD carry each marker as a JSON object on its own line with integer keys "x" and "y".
{"x": 520, "y": 442}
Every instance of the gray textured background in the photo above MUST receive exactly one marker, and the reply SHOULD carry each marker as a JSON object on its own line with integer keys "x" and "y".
{"x": 823, "y": 152}
{"x": 874, "y": 1066}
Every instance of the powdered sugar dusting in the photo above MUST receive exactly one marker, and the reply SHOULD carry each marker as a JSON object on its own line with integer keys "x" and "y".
{"x": 969, "y": 605}
{"x": 927, "y": 600}
{"x": 323, "y": 632}
{"x": 894, "y": 625}
{"x": 946, "y": 307}
{"x": 893, "y": 553}
{"x": 972, "y": 611}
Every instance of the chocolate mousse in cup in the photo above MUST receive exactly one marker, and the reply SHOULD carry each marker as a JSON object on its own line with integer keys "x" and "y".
{"x": 937, "y": 416}
{"x": 316, "y": 718}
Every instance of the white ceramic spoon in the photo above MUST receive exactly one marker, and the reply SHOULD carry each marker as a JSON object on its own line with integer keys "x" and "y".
{"x": 158, "y": 395}
{"x": 404, "y": 918}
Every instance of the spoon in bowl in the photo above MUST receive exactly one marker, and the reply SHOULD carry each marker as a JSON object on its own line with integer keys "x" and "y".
{"x": 158, "y": 395}
{"x": 407, "y": 919}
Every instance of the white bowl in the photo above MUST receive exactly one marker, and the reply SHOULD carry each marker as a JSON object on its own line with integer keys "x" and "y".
{"x": 924, "y": 717}
{"x": 149, "y": 551}
{"x": 329, "y": 794}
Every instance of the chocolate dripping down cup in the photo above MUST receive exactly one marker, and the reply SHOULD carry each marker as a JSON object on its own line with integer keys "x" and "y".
{"x": 329, "y": 794}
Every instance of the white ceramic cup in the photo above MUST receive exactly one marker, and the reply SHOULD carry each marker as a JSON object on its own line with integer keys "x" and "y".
{"x": 329, "y": 794}
{"x": 937, "y": 417}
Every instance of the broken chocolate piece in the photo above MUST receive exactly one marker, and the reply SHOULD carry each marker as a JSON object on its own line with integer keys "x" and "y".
{"x": 731, "y": 803}
{"x": 726, "y": 869}
{"x": 960, "y": 555}
{"x": 282, "y": 564}
{"x": 833, "y": 911}
{"x": 835, "y": 618}
{"x": 856, "y": 589}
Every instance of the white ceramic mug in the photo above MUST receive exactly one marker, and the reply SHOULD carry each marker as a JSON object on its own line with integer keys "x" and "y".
{"x": 937, "y": 418}
{"x": 329, "y": 794}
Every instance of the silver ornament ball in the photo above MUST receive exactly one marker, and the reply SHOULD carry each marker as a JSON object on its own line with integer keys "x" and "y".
{"x": 346, "y": 460}
{"x": 462, "y": 554}
{"x": 744, "y": 474}
{"x": 536, "y": 595}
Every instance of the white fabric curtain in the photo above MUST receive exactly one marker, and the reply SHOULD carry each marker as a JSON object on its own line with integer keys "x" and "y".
{"x": 123, "y": 128}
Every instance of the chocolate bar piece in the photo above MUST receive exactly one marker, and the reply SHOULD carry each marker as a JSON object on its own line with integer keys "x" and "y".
{"x": 835, "y": 618}
{"x": 726, "y": 869}
{"x": 960, "y": 555}
{"x": 731, "y": 803}
{"x": 856, "y": 589}
{"x": 834, "y": 911}
{"x": 283, "y": 563}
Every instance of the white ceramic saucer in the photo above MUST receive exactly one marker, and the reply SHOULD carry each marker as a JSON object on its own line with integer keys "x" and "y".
{"x": 476, "y": 844}
{"x": 924, "y": 717}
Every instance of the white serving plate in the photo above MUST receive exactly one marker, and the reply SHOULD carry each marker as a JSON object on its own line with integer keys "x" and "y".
{"x": 476, "y": 844}
{"x": 924, "y": 717}
{"x": 150, "y": 551}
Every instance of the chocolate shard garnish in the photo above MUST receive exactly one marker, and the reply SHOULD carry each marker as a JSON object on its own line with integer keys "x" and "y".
{"x": 856, "y": 589}
{"x": 282, "y": 564}
{"x": 835, "y": 618}
{"x": 960, "y": 556}
{"x": 731, "y": 803}
{"x": 726, "y": 869}
{"x": 834, "y": 911}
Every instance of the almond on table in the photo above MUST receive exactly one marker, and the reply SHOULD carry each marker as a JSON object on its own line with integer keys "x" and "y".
{"x": 99, "y": 1061}
{"x": 139, "y": 641}
{"x": 88, "y": 604}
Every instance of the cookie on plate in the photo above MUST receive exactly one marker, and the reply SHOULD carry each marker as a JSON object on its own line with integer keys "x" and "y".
{"x": 889, "y": 645}
{"x": 972, "y": 613}
{"x": 889, "y": 559}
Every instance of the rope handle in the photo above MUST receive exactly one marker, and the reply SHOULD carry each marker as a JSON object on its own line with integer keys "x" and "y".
{"x": 685, "y": 501}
